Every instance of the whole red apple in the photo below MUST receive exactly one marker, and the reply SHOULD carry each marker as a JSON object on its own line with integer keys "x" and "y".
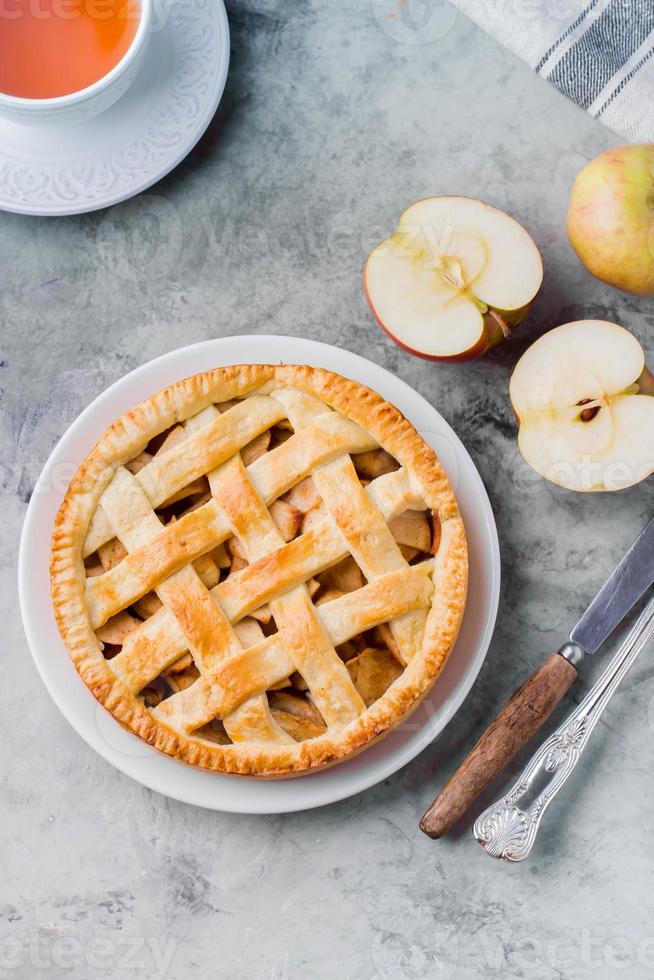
{"x": 611, "y": 218}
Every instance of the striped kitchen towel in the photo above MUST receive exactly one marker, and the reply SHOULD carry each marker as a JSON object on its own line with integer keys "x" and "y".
{"x": 600, "y": 53}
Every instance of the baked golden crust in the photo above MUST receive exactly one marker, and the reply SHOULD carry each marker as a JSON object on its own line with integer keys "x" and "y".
{"x": 424, "y": 603}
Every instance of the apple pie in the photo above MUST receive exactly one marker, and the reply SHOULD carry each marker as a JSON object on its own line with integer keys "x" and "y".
{"x": 260, "y": 570}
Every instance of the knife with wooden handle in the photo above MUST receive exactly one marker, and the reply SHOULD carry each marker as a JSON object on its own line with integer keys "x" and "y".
{"x": 532, "y": 704}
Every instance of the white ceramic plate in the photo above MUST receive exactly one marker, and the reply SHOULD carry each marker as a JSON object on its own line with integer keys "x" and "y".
{"x": 232, "y": 793}
{"x": 57, "y": 170}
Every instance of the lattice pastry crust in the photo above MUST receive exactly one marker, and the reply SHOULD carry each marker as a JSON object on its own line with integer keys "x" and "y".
{"x": 260, "y": 570}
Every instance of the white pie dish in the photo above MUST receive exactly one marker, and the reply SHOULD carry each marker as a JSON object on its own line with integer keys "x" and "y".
{"x": 206, "y": 788}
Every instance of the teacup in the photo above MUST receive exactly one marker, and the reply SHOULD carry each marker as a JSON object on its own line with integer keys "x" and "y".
{"x": 118, "y": 44}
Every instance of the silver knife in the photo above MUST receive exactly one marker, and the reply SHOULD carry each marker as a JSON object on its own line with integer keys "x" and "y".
{"x": 627, "y": 583}
{"x": 533, "y": 703}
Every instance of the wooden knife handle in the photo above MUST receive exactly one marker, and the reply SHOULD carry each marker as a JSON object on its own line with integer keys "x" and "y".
{"x": 519, "y": 719}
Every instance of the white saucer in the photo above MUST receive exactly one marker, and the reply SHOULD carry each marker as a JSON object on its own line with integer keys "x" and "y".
{"x": 235, "y": 794}
{"x": 58, "y": 170}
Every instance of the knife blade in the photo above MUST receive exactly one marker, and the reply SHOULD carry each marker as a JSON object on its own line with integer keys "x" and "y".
{"x": 627, "y": 583}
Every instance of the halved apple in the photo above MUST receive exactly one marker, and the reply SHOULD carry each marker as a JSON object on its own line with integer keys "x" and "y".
{"x": 582, "y": 396}
{"x": 454, "y": 279}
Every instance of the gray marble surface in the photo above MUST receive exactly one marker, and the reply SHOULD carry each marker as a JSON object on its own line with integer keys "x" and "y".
{"x": 334, "y": 118}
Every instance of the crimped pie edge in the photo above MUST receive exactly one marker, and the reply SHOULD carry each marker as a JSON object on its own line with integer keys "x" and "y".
{"x": 127, "y": 436}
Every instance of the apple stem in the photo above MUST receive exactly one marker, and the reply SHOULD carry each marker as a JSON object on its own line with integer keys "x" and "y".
{"x": 646, "y": 383}
{"x": 498, "y": 321}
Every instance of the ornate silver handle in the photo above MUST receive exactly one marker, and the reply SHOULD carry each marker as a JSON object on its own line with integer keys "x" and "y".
{"x": 508, "y": 829}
